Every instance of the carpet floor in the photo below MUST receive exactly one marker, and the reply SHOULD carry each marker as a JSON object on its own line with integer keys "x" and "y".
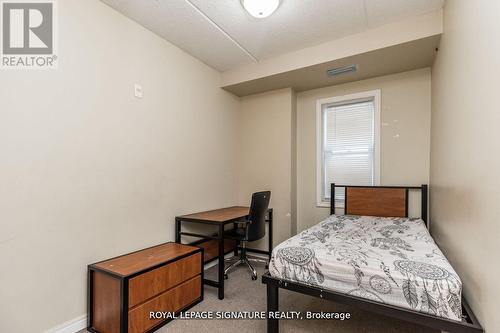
{"x": 243, "y": 294}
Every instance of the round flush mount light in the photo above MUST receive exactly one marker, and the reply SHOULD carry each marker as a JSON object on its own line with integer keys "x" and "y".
{"x": 260, "y": 8}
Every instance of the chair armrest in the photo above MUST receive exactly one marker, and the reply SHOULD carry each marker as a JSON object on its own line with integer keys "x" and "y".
{"x": 241, "y": 224}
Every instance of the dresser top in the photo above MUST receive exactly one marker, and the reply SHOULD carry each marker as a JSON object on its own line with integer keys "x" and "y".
{"x": 138, "y": 261}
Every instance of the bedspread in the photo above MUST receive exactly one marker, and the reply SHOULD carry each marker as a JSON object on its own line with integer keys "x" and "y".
{"x": 388, "y": 260}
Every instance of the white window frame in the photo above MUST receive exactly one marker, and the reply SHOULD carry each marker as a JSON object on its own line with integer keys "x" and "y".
{"x": 320, "y": 106}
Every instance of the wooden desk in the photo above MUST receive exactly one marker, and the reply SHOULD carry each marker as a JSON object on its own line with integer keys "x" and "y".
{"x": 219, "y": 218}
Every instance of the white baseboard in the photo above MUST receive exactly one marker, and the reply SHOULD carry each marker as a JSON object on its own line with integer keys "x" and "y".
{"x": 79, "y": 323}
{"x": 71, "y": 326}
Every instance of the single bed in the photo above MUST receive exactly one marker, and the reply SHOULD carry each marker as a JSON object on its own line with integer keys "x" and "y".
{"x": 390, "y": 260}
{"x": 375, "y": 257}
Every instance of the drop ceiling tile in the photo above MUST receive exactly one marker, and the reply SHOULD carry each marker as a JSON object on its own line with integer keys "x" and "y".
{"x": 296, "y": 24}
{"x": 177, "y": 22}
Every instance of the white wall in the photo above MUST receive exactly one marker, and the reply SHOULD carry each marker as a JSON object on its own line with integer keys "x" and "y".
{"x": 88, "y": 172}
{"x": 404, "y": 139}
{"x": 265, "y": 155}
{"x": 465, "y": 184}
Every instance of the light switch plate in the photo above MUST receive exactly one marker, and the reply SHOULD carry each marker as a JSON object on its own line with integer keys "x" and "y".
{"x": 137, "y": 91}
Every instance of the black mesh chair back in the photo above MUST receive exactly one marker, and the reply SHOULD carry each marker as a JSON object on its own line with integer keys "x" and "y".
{"x": 257, "y": 216}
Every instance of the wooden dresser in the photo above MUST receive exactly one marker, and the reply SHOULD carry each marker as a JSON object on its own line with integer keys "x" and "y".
{"x": 124, "y": 290}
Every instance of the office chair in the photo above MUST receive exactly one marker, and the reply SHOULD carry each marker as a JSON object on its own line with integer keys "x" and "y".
{"x": 251, "y": 229}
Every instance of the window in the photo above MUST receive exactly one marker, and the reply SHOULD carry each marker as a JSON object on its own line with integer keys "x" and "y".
{"x": 347, "y": 143}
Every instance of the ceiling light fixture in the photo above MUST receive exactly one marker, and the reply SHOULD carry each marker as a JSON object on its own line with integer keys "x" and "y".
{"x": 260, "y": 8}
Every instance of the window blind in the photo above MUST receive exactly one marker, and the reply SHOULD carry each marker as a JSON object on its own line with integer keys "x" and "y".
{"x": 348, "y": 145}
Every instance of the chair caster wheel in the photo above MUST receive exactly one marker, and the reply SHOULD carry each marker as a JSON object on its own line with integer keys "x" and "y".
{"x": 254, "y": 278}
{"x": 226, "y": 277}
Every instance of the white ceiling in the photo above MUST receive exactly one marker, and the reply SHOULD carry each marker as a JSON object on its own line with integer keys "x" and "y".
{"x": 295, "y": 25}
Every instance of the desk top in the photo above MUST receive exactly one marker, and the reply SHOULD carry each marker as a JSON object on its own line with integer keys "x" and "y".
{"x": 222, "y": 215}
{"x": 141, "y": 260}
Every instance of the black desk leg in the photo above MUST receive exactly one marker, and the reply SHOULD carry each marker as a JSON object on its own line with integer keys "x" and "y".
{"x": 272, "y": 306}
{"x": 270, "y": 238}
{"x": 221, "y": 261}
{"x": 177, "y": 230}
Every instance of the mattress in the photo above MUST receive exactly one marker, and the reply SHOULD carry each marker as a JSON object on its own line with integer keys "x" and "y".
{"x": 388, "y": 260}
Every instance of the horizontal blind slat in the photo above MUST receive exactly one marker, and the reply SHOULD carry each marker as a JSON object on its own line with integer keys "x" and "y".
{"x": 348, "y": 145}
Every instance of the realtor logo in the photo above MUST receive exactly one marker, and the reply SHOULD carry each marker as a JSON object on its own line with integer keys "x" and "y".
{"x": 28, "y": 34}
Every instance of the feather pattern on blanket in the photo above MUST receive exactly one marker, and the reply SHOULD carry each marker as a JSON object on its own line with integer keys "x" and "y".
{"x": 388, "y": 260}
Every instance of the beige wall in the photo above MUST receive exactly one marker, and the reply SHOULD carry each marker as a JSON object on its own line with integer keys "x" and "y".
{"x": 265, "y": 155}
{"x": 465, "y": 185}
{"x": 404, "y": 159}
{"x": 88, "y": 172}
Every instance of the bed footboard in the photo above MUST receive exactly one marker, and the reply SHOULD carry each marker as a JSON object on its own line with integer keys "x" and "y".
{"x": 469, "y": 324}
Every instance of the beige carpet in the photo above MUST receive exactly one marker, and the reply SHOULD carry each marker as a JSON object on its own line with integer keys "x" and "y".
{"x": 243, "y": 294}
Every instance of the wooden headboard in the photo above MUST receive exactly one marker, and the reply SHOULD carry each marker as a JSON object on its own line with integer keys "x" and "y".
{"x": 386, "y": 201}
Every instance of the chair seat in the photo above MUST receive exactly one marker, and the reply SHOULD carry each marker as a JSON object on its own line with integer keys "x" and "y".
{"x": 236, "y": 234}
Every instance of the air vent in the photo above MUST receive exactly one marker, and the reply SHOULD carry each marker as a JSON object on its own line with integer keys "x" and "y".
{"x": 341, "y": 70}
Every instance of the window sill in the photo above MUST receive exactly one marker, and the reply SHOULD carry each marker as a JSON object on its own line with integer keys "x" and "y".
{"x": 327, "y": 205}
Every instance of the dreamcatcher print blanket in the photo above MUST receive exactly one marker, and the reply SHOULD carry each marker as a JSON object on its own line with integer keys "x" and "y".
{"x": 384, "y": 259}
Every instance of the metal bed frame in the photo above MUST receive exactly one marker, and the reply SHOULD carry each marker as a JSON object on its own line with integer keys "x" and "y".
{"x": 469, "y": 323}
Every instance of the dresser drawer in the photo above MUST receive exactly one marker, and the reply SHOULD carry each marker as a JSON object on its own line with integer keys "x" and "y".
{"x": 152, "y": 283}
{"x": 125, "y": 289}
{"x": 170, "y": 301}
